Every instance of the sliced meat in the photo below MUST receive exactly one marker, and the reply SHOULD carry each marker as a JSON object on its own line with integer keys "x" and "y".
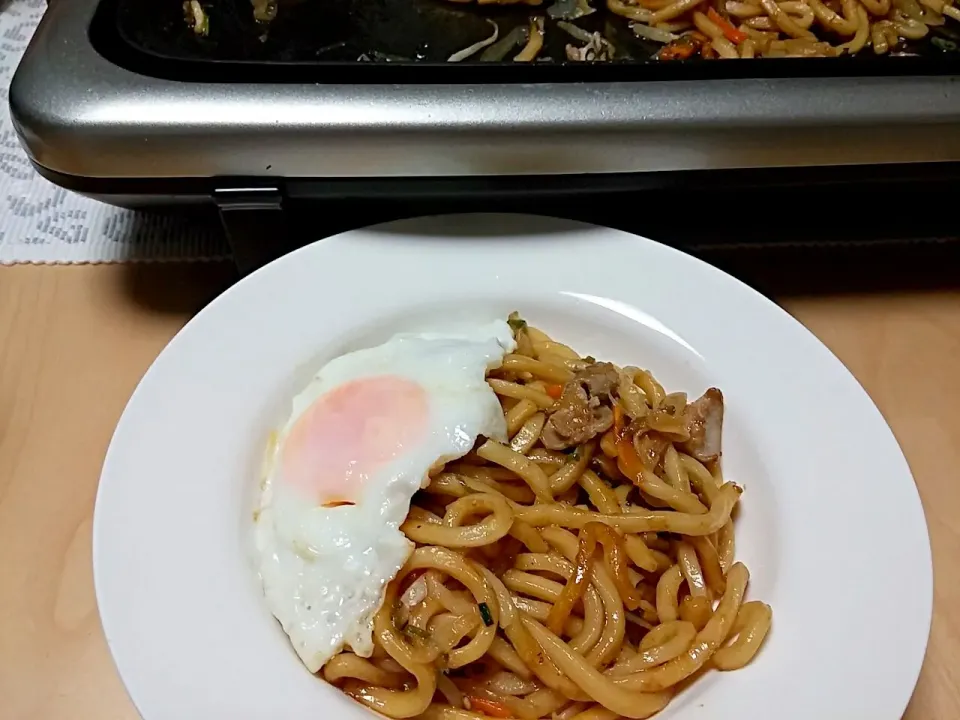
{"x": 599, "y": 380}
{"x": 578, "y": 418}
{"x": 651, "y": 447}
{"x": 581, "y": 413}
{"x": 704, "y": 422}
{"x": 597, "y": 49}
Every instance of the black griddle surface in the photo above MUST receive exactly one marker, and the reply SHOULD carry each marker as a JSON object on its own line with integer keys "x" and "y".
{"x": 328, "y": 31}
{"x": 326, "y": 40}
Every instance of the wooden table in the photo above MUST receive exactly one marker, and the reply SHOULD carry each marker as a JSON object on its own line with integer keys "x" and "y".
{"x": 74, "y": 341}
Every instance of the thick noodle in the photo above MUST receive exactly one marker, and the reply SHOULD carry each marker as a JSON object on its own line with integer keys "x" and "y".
{"x": 711, "y": 29}
{"x": 587, "y": 583}
{"x": 733, "y": 29}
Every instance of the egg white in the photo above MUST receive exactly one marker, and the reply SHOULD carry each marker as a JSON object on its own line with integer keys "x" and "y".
{"x": 324, "y": 570}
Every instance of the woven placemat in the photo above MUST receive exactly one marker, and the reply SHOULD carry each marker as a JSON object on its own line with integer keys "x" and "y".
{"x": 42, "y": 223}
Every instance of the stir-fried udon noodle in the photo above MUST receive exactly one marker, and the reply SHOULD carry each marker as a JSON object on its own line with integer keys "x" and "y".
{"x": 583, "y": 570}
{"x": 731, "y": 29}
{"x": 781, "y": 28}
{"x": 727, "y": 29}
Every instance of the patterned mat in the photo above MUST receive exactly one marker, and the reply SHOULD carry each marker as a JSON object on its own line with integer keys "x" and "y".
{"x": 41, "y": 223}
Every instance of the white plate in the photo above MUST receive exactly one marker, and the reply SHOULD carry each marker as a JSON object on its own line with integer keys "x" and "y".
{"x": 830, "y": 525}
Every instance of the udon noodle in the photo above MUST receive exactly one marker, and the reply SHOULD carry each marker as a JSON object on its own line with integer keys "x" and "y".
{"x": 584, "y": 570}
{"x": 781, "y": 28}
{"x": 726, "y": 29}
{"x": 732, "y": 29}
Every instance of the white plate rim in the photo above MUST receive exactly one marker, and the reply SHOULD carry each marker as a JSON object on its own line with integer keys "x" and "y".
{"x": 894, "y": 691}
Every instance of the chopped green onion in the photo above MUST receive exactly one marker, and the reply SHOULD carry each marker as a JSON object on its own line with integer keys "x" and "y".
{"x": 485, "y": 614}
{"x": 944, "y": 44}
{"x": 516, "y": 322}
{"x": 415, "y": 632}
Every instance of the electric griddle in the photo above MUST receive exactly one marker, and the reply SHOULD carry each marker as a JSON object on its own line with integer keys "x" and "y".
{"x": 340, "y": 113}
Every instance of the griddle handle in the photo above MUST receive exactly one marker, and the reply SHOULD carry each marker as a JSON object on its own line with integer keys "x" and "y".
{"x": 254, "y": 222}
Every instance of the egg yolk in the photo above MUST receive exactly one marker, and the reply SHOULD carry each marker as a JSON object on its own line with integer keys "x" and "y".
{"x": 349, "y": 433}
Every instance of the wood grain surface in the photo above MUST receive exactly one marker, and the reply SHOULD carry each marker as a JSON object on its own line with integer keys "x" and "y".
{"x": 74, "y": 341}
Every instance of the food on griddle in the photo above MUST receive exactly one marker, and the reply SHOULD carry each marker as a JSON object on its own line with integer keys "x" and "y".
{"x": 196, "y": 18}
{"x": 528, "y": 40}
{"x": 596, "y": 48}
{"x": 671, "y": 30}
{"x": 788, "y": 28}
{"x": 534, "y": 41}
{"x": 264, "y": 10}
{"x": 477, "y": 46}
{"x": 733, "y": 29}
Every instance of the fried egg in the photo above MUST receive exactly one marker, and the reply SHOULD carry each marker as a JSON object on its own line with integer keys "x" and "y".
{"x": 361, "y": 439}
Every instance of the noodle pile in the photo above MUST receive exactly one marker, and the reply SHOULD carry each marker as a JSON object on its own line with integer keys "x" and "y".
{"x": 590, "y": 581}
{"x": 781, "y": 28}
{"x": 732, "y": 29}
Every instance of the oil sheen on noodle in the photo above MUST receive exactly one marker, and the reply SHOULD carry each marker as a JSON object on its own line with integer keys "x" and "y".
{"x": 586, "y": 568}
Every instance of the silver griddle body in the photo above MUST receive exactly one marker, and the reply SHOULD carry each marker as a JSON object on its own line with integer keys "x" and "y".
{"x": 80, "y": 116}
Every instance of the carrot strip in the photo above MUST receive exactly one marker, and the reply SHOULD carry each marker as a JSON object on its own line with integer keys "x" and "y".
{"x": 575, "y": 586}
{"x": 628, "y": 460}
{"x": 729, "y": 31}
{"x": 488, "y": 707}
{"x": 615, "y": 554}
{"x": 677, "y": 50}
{"x": 554, "y": 391}
{"x": 618, "y": 423}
